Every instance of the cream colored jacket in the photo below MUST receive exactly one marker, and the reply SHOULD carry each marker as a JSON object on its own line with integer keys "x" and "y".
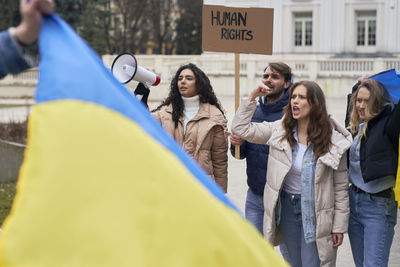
{"x": 206, "y": 139}
{"x": 330, "y": 186}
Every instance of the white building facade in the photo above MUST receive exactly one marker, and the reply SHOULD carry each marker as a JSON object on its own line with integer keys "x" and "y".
{"x": 341, "y": 28}
{"x": 332, "y": 42}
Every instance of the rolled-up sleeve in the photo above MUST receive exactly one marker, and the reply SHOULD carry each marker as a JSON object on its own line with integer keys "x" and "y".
{"x": 253, "y": 132}
{"x": 12, "y": 58}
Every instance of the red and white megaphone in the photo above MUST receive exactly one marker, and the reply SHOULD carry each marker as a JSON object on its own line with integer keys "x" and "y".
{"x": 125, "y": 68}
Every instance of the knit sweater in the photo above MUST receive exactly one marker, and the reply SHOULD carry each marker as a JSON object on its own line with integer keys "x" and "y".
{"x": 192, "y": 105}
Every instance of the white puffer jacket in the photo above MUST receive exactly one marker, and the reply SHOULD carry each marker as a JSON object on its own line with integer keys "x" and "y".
{"x": 331, "y": 180}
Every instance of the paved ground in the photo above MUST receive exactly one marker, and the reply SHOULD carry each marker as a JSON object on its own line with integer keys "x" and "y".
{"x": 237, "y": 186}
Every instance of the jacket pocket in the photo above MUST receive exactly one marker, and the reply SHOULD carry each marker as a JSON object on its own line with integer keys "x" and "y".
{"x": 324, "y": 222}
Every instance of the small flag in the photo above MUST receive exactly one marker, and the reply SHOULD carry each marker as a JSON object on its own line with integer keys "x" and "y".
{"x": 391, "y": 81}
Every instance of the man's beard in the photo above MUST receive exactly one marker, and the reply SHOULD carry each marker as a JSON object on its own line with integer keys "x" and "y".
{"x": 276, "y": 93}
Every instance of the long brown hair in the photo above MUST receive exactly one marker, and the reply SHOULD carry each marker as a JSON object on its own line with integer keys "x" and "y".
{"x": 374, "y": 106}
{"x": 319, "y": 130}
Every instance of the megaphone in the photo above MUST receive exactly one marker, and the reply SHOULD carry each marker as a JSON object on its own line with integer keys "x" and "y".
{"x": 125, "y": 68}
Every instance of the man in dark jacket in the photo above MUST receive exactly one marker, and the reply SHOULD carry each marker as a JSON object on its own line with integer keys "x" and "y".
{"x": 277, "y": 76}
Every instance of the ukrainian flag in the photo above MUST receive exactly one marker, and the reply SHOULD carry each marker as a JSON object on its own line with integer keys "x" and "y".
{"x": 103, "y": 185}
{"x": 391, "y": 81}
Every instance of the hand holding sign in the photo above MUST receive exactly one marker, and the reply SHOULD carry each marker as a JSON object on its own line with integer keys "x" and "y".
{"x": 238, "y": 30}
{"x": 236, "y": 140}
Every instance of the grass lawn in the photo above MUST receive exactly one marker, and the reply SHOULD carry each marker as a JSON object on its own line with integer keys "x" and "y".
{"x": 7, "y": 193}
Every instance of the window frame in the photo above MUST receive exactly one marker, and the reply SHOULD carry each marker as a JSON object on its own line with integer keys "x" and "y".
{"x": 305, "y": 20}
{"x": 368, "y": 41}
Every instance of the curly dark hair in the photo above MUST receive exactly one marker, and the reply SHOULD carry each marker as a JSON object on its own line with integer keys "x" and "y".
{"x": 203, "y": 88}
{"x": 320, "y": 126}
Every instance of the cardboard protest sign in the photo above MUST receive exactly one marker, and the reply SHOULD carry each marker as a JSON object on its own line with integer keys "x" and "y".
{"x": 239, "y": 30}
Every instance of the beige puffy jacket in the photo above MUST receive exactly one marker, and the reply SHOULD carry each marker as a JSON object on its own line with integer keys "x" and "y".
{"x": 206, "y": 139}
{"x": 330, "y": 185}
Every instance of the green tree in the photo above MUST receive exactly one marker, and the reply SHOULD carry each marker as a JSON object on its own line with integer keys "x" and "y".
{"x": 162, "y": 16}
{"x": 128, "y": 19}
{"x": 9, "y": 14}
{"x": 188, "y": 30}
{"x": 116, "y": 26}
{"x": 71, "y": 11}
{"x": 91, "y": 19}
{"x": 95, "y": 26}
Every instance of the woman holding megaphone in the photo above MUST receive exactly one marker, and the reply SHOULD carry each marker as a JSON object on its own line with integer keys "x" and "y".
{"x": 193, "y": 116}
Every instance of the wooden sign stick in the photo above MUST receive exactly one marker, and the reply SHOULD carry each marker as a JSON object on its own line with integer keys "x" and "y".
{"x": 237, "y": 94}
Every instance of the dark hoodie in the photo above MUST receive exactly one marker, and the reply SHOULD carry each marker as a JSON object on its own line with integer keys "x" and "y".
{"x": 379, "y": 151}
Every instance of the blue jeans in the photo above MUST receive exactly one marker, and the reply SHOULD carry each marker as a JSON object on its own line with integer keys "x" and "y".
{"x": 371, "y": 228}
{"x": 254, "y": 212}
{"x": 300, "y": 253}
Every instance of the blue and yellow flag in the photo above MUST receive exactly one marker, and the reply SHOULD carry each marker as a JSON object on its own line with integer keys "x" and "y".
{"x": 391, "y": 81}
{"x": 102, "y": 184}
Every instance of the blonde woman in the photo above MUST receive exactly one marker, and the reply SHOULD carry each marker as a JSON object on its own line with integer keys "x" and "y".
{"x": 373, "y": 157}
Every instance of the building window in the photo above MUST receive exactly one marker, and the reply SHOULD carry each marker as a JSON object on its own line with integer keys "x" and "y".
{"x": 366, "y": 28}
{"x": 303, "y": 29}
